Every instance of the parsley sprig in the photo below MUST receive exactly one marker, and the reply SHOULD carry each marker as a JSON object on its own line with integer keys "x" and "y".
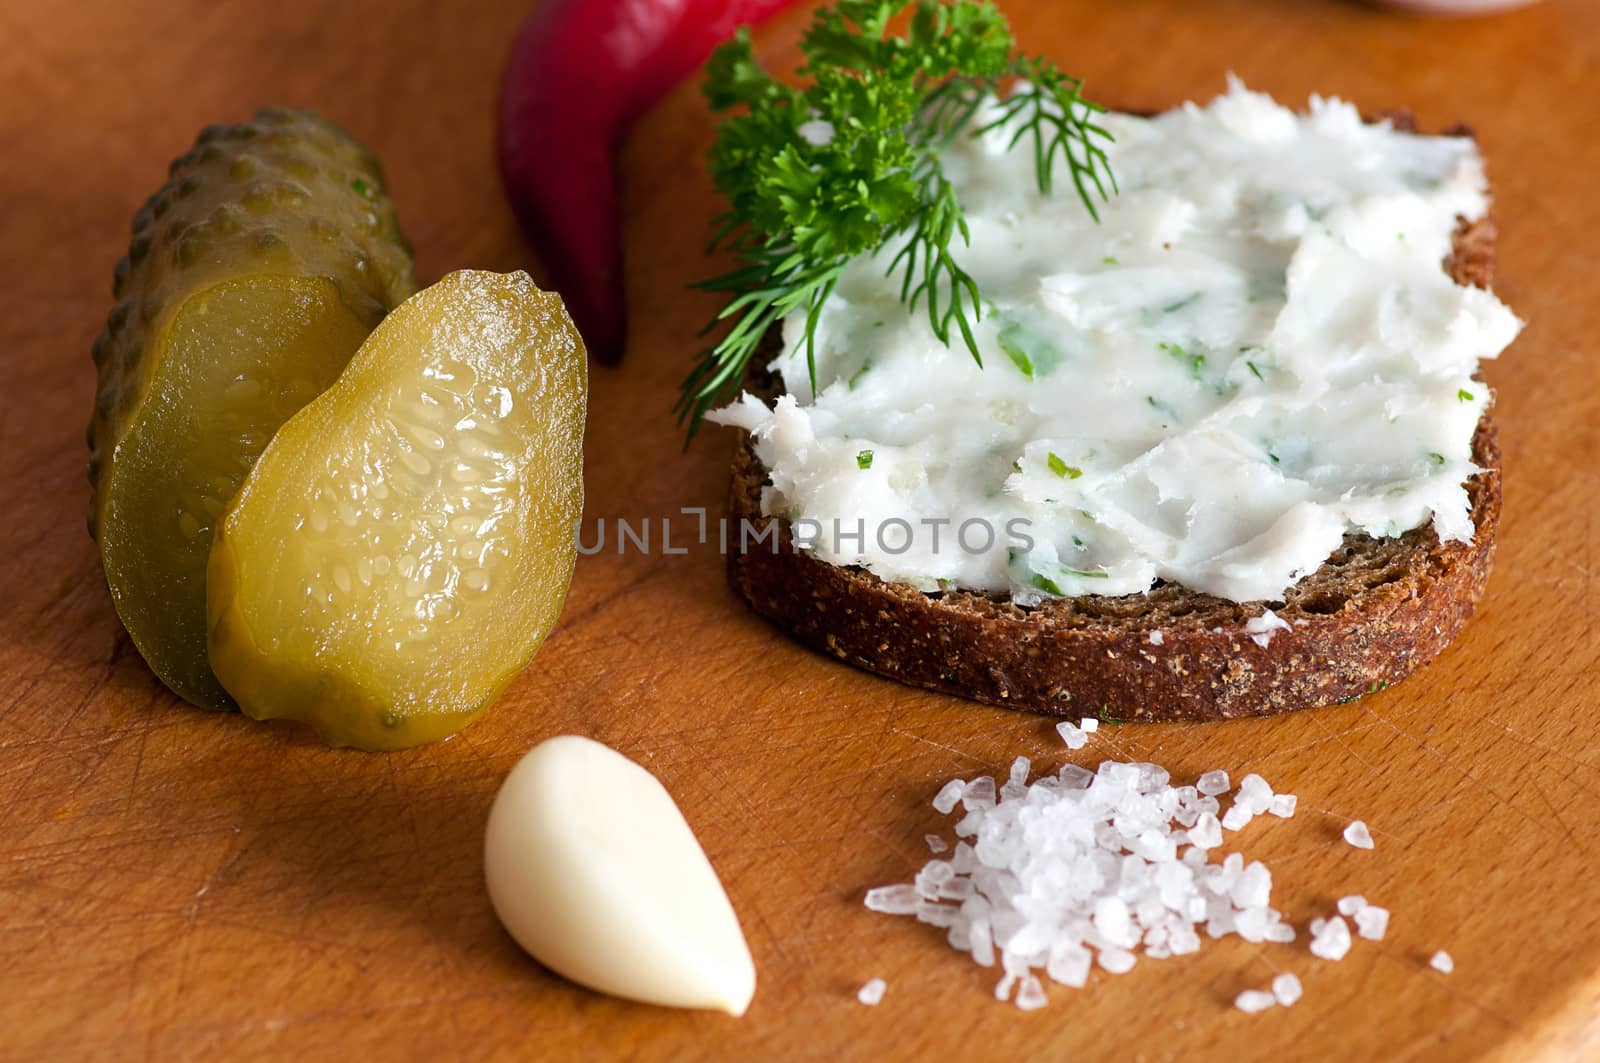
{"x": 850, "y": 165}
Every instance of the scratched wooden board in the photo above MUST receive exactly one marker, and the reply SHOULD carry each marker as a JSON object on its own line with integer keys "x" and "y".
{"x": 179, "y": 884}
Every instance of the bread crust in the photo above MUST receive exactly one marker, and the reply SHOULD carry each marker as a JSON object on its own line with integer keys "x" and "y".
{"x": 1375, "y": 612}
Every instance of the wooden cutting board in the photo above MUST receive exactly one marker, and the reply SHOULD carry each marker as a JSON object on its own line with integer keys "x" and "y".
{"x": 176, "y": 884}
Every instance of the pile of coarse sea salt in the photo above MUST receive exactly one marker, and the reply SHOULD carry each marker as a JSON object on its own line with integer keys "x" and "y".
{"x": 1086, "y": 867}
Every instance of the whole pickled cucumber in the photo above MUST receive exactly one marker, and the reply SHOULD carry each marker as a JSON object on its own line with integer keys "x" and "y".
{"x": 253, "y": 275}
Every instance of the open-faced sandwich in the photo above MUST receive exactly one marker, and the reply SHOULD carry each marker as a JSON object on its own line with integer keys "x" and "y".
{"x": 1209, "y": 441}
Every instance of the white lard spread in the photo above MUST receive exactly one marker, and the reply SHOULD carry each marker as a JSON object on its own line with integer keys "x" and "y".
{"x": 1255, "y": 351}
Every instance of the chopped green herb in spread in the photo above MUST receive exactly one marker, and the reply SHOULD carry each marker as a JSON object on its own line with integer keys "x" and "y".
{"x": 1195, "y": 362}
{"x": 864, "y": 459}
{"x": 1087, "y": 574}
{"x": 1050, "y": 586}
{"x": 1046, "y": 584}
{"x": 1030, "y": 353}
{"x": 1163, "y": 408}
{"x": 1061, "y": 468}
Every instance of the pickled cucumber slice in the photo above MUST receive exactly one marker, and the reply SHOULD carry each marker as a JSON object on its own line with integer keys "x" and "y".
{"x": 252, "y": 277}
{"x": 404, "y": 544}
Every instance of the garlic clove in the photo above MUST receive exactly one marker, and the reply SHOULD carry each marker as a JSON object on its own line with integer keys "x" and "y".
{"x": 593, "y": 870}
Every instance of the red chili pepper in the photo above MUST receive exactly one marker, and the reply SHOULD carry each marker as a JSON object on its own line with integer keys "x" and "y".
{"x": 580, "y": 73}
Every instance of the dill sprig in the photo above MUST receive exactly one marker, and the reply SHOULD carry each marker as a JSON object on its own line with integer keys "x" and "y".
{"x": 850, "y": 165}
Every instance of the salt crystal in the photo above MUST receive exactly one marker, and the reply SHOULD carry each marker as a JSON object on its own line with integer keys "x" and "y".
{"x": 1157, "y": 846}
{"x": 1107, "y": 837}
{"x": 1442, "y": 962}
{"x": 1019, "y": 769}
{"x": 1072, "y": 734}
{"x": 1112, "y": 921}
{"x": 1236, "y": 818}
{"x": 1286, "y": 989}
{"x": 872, "y": 992}
{"x": 1220, "y": 924}
{"x": 1372, "y": 922}
{"x": 933, "y": 877}
{"x": 1174, "y": 881}
{"x": 1182, "y": 941}
{"x": 1212, "y": 783}
{"x": 957, "y": 889}
{"x": 1069, "y": 964}
{"x": 1075, "y": 776}
{"x": 1330, "y": 939}
{"x": 936, "y": 844}
{"x": 1206, "y": 832}
{"x": 982, "y": 947}
{"x": 1002, "y": 988}
{"x": 1283, "y": 805}
{"x": 893, "y": 900}
{"x": 1352, "y": 904}
{"x": 1088, "y": 725}
{"x": 1153, "y": 778}
{"x": 1251, "y": 924}
{"x": 1358, "y": 835}
{"x": 1253, "y": 888}
{"x": 1255, "y": 796}
{"x": 1155, "y": 638}
{"x": 946, "y": 799}
{"x": 1117, "y": 961}
{"x": 1149, "y": 911}
{"x": 1282, "y": 933}
{"x": 1254, "y": 1000}
{"x": 979, "y": 794}
{"x": 1030, "y": 994}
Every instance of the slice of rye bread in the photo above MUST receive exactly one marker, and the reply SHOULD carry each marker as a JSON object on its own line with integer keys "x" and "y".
{"x": 1374, "y": 612}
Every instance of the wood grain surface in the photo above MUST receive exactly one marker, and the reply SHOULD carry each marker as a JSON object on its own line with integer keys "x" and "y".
{"x": 175, "y": 884}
